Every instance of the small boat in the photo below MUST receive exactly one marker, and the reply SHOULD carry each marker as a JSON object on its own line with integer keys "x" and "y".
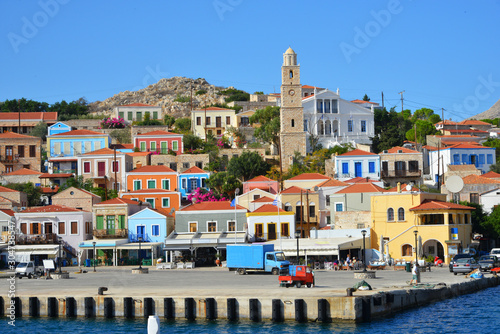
{"x": 377, "y": 265}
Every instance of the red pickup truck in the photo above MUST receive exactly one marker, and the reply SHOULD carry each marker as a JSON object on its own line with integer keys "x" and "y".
{"x": 297, "y": 276}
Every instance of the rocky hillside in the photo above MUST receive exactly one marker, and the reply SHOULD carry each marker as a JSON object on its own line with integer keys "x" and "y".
{"x": 164, "y": 93}
{"x": 491, "y": 113}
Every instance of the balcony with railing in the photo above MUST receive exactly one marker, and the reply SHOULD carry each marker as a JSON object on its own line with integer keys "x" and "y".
{"x": 134, "y": 237}
{"x": 110, "y": 233}
{"x": 9, "y": 158}
{"x": 37, "y": 239}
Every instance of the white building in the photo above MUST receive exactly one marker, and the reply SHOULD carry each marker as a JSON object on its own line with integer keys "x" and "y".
{"x": 357, "y": 163}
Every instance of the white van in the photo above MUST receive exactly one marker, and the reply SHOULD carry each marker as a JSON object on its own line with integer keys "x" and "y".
{"x": 496, "y": 252}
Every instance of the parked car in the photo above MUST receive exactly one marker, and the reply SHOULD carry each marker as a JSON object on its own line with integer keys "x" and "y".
{"x": 488, "y": 262}
{"x": 465, "y": 265}
{"x": 455, "y": 258}
{"x": 495, "y": 251}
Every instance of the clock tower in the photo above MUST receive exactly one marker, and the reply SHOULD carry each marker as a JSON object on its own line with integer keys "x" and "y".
{"x": 292, "y": 135}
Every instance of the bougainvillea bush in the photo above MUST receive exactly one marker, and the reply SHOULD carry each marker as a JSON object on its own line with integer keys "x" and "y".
{"x": 203, "y": 195}
{"x": 113, "y": 123}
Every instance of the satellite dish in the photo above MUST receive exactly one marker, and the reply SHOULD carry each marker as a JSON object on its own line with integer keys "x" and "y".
{"x": 316, "y": 188}
{"x": 454, "y": 183}
{"x": 408, "y": 187}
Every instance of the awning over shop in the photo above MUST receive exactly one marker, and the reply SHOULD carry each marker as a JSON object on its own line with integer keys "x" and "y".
{"x": 320, "y": 246}
{"x": 103, "y": 243}
{"x": 24, "y": 252}
{"x": 135, "y": 245}
{"x": 191, "y": 240}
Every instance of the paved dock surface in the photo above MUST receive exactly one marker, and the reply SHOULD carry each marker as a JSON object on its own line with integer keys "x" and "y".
{"x": 214, "y": 282}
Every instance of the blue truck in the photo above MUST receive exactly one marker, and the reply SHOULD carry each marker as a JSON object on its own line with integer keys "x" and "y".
{"x": 255, "y": 257}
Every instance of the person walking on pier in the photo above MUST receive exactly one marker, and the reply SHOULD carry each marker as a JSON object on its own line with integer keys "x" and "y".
{"x": 414, "y": 273}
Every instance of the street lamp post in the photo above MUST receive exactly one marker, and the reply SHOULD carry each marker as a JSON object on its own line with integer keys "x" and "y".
{"x": 236, "y": 192}
{"x": 140, "y": 258}
{"x": 59, "y": 257}
{"x": 297, "y": 236}
{"x": 416, "y": 247}
{"x": 93, "y": 243}
{"x": 363, "y": 232}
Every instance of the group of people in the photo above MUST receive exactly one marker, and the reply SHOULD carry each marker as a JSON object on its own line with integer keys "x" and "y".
{"x": 353, "y": 264}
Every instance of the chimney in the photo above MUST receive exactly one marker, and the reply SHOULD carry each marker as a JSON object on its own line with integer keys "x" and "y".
{"x": 399, "y": 187}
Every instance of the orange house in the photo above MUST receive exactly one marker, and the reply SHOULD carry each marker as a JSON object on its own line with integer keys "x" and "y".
{"x": 162, "y": 200}
{"x": 152, "y": 177}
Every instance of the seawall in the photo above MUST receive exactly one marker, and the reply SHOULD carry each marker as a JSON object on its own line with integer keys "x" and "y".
{"x": 362, "y": 306}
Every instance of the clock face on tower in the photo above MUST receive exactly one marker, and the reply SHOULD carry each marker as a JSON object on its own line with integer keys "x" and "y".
{"x": 291, "y": 92}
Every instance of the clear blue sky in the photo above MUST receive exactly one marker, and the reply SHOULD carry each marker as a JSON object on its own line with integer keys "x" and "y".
{"x": 443, "y": 54}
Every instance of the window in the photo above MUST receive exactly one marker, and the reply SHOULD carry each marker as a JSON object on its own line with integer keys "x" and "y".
{"x": 155, "y": 114}
{"x": 74, "y": 227}
{"x": 293, "y": 123}
{"x": 152, "y": 146}
{"x": 193, "y": 226}
{"x": 143, "y": 146}
{"x": 345, "y": 168}
{"x": 185, "y": 165}
{"x": 88, "y": 227}
{"x": 305, "y": 125}
{"x": 155, "y": 230}
{"x": 231, "y": 226}
{"x": 121, "y": 114}
{"x": 173, "y": 166}
{"x": 288, "y": 207}
{"x": 165, "y": 202}
{"x": 115, "y": 167}
{"x": 86, "y": 167}
{"x": 212, "y": 226}
{"x": 165, "y": 184}
{"x": 137, "y": 185}
{"x": 291, "y": 74}
{"x": 312, "y": 210}
{"x": 259, "y": 230}
{"x": 175, "y": 145}
{"x": 199, "y": 164}
{"x": 129, "y": 116}
{"x": 320, "y": 106}
{"x": 228, "y": 120}
{"x": 390, "y": 215}
{"x": 474, "y": 198}
{"x": 327, "y": 200}
{"x": 349, "y": 125}
{"x": 203, "y": 183}
{"x": 20, "y": 151}
{"x": 23, "y": 228}
{"x": 163, "y": 147}
{"x": 193, "y": 183}
{"x": 489, "y": 159}
{"x": 413, "y": 166}
{"x": 99, "y": 222}
{"x": 32, "y": 151}
{"x": 407, "y": 250}
{"x": 465, "y": 159}
{"x": 481, "y": 159}
{"x": 151, "y": 201}
{"x": 371, "y": 167}
{"x": 339, "y": 207}
{"x": 184, "y": 183}
{"x": 61, "y": 228}
{"x": 363, "y": 126}
{"x": 138, "y": 116}
{"x": 121, "y": 221}
{"x": 198, "y": 120}
{"x": 207, "y": 120}
{"x": 151, "y": 184}
{"x": 401, "y": 214}
{"x": 285, "y": 230}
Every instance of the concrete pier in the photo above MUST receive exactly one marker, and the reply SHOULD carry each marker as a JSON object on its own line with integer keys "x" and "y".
{"x": 266, "y": 304}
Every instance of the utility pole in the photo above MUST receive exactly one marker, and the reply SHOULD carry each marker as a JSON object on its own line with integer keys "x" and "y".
{"x": 401, "y": 99}
{"x": 382, "y": 100}
{"x": 115, "y": 167}
{"x": 439, "y": 183}
{"x": 442, "y": 117}
{"x": 416, "y": 142}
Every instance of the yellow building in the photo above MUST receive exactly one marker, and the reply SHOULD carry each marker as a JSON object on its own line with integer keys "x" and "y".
{"x": 213, "y": 121}
{"x": 442, "y": 228}
{"x": 304, "y": 204}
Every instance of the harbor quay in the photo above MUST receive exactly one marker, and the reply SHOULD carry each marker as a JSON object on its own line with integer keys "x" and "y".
{"x": 217, "y": 293}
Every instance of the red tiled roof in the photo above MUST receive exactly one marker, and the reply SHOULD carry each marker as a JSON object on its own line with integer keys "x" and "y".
{"x": 360, "y": 179}
{"x": 159, "y": 133}
{"x": 396, "y": 149}
{"x": 153, "y": 169}
{"x": 194, "y": 170}
{"x": 454, "y": 142}
{"x": 138, "y": 154}
{"x": 332, "y": 183}
{"x": 474, "y": 146}
{"x": 440, "y": 205}
{"x": 49, "y": 190}
{"x": 309, "y": 176}
{"x": 356, "y": 152}
{"x": 8, "y": 134}
{"x": 306, "y": 97}
{"x": 491, "y": 175}
{"x": 295, "y": 190}
{"x": 473, "y": 122}
{"x": 476, "y": 179}
{"x": 24, "y": 171}
{"x": 7, "y": 190}
{"x": 121, "y": 146}
{"x": 8, "y": 212}
{"x": 211, "y": 206}
{"x": 261, "y": 178}
{"x": 465, "y": 130}
{"x": 403, "y": 188}
{"x": 447, "y": 122}
{"x": 118, "y": 201}
{"x": 80, "y": 133}
{"x": 50, "y": 208}
{"x": 137, "y": 105}
{"x": 361, "y": 188}
{"x": 362, "y": 101}
{"x": 102, "y": 151}
{"x": 263, "y": 200}
{"x": 42, "y": 116}
{"x": 269, "y": 208}
{"x": 55, "y": 176}
{"x": 308, "y": 87}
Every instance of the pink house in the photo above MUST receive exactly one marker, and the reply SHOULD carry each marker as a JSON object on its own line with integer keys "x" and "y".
{"x": 159, "y": 141}
{"x": 263, "y": 183}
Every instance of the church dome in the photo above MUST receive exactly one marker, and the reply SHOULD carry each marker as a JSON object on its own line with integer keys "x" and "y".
{"x": 289, "y": 51}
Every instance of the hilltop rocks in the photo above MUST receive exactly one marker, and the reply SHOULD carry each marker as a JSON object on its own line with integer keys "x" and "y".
{"x": 163, "y": 94}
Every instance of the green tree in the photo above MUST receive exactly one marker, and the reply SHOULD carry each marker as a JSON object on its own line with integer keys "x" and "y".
{"x": 77, "y": 182}
{"x": 248, "y": 165}
{"x": 366, "y": 98}
{"x": 122, "y": 136}
{"x": 148, "y": 121}
{"x": 492, "y": 142}
{"x": 258, "y": 93}
{"x": 423, "y": 128}
{"x": 192, "y": 142}
{"x": 183, "y": 125}
{"x": 491, "y": 223}
{"x": 40, "y": 130}
{"x": 390, "y": 129}
{"x": 223, "y": 183}
{"x": 169, "y": 120}
{"x": 233, "y": 94}
{"x": 269, "y": 120}
{"x": 33, "y": 193}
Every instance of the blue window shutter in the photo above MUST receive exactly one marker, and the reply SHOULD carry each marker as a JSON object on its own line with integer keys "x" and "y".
{"x": 464, "y": 159}
{"x": 489, "y": 158}
{"x": 345, "y": 168}
{"x": 371, "y": 167}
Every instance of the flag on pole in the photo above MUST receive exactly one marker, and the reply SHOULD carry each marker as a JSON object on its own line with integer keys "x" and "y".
{"x": 233, "y": 202}
{"x": 275, "y": 202}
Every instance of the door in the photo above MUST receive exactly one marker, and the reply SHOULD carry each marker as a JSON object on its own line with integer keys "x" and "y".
{"x": 110, "y": 225}
{"x": 271, "y": 231}
{"x": 218, "y": 121}
{"x": 357, "y": 169}
{"x": 140, "y": 232}
{"x": 101, "y": 168}
{"x": 9, "y": 152}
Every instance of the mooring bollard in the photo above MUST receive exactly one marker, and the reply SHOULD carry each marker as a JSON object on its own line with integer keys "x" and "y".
{"x": 100, "y": 290}
{"x": 349, "y": 292}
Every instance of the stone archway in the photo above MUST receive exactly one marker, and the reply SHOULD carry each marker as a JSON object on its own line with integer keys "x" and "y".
{"x": 433, "y": 247}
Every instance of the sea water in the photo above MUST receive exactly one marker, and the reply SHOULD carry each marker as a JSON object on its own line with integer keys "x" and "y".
{"x": 474, "y": 313}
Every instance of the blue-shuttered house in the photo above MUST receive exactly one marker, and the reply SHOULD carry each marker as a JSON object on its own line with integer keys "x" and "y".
{"x": 57, "y": 128}
{"x": 192, "y": 179}
{"x": 149, "y": 224}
